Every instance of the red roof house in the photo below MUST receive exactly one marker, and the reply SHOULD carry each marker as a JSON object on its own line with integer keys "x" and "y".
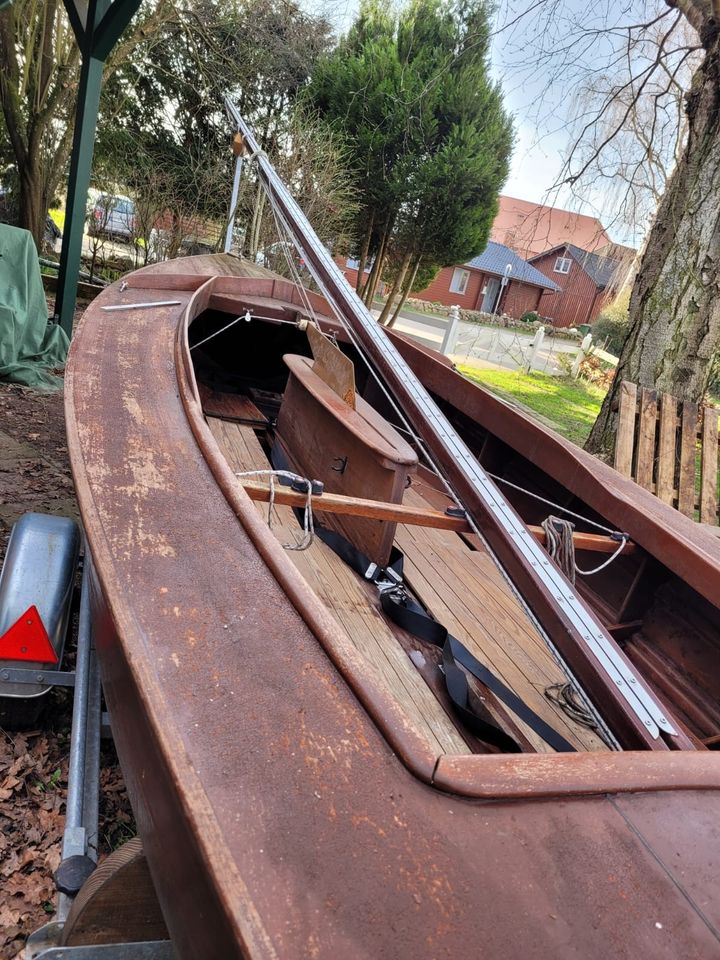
{"x": 531, "y": 228}
{"x": 587, "y": 280}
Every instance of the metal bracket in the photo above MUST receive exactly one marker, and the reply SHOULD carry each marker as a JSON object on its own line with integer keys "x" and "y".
{"x": 144, "y": 950}
{"x": 53, "y": 678}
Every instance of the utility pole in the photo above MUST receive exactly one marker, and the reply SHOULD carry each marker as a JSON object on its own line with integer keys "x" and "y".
{"x": 97, "y": 26}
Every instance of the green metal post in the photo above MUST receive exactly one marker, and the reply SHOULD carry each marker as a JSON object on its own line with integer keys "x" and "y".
{"x": 78, "y": 185}
{"x": 96, "y": 35}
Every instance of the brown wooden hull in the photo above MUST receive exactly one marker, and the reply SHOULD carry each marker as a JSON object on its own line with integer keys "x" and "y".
{"x": 278, "y": 818}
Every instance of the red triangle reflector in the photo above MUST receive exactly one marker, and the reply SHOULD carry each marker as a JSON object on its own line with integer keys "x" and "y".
{"x": 27, "y": 639}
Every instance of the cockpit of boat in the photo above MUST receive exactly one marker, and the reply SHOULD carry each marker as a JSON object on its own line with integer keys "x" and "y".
{"x": 423, "y": 614}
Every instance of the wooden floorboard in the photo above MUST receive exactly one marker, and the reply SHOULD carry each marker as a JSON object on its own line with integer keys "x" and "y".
{"x": 460, "y": 586}
{"x": 343, "y": 594}
{"x": 465, "y": 591}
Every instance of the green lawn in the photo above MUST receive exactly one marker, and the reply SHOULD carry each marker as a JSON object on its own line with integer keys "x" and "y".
{"x": 568, "y": 406}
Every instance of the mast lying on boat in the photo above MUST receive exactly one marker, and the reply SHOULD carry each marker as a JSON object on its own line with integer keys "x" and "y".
{"x": 570, "y": 625}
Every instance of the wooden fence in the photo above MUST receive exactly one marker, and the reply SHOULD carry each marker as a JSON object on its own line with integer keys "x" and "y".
{"x": 670, "y": 448}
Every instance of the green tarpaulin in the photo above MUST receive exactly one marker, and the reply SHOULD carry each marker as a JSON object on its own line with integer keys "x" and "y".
{"x": 29, "y": 346}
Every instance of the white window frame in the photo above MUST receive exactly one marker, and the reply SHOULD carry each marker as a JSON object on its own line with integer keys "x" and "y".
{"x": 562, "y": 265}
{"x": 459, "y": 281}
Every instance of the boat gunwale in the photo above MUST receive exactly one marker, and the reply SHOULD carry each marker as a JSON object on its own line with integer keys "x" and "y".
{"x": 655, "y": 524}
{"x": 487, "y": 776}
{"x": 193, "y": 798}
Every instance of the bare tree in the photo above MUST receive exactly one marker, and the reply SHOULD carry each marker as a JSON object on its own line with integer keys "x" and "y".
{"x": 38, "y": 92}
{"x": 628, "y": 130}
{"x": 313, "y": 163}
{"x": 655, "y": 53}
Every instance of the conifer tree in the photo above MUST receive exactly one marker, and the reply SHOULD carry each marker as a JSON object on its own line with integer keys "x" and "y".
{"x": 429, "y": 137}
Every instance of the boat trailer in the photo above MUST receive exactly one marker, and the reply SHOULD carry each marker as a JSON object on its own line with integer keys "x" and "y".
{"x": 37, "y": 598}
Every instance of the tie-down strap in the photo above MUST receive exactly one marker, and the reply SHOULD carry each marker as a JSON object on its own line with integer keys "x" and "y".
{"x": 404, "y": 611}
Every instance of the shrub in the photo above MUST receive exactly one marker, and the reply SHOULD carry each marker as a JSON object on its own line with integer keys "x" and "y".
{"x": 530, "y": 316}
{"x": 595, "y": 371}
{"x": 611, "y": 326}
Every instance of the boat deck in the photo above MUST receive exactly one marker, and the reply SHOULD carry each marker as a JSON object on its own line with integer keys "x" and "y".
{"x": 458, "y": 584}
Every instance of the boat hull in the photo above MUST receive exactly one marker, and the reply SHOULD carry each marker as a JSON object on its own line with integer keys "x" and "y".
{"x": 279, "y": 819}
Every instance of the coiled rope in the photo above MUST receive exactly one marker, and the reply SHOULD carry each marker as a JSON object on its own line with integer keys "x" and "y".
{"x": 296, "y": 481}
{"x": 560, "y": 545}
{"x": 566, "y": 698}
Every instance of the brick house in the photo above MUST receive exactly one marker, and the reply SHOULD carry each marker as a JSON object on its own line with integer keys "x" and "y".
{"x": 531, "y": 228}
{"x": 588, "y": 281}
{"x": 350, "y": 268}
{"x": 478, "y": 284}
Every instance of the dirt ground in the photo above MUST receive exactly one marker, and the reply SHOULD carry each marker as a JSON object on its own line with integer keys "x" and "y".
{"x": 35, "y": 476}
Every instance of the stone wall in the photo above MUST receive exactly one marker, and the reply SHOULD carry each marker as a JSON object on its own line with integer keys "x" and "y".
{"x": 492, "y": 320}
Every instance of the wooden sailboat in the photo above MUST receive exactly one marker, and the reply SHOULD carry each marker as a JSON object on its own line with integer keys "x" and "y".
{"x": 332, "y": 753}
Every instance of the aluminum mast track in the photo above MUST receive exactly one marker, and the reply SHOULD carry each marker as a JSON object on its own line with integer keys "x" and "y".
{"x": 353, "y": 311}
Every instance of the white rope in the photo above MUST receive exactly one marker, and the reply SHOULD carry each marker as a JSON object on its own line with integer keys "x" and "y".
{"x": 589, "y": 573}
{"x": 560, "y": 545}
{"x": 246, "y": 316}
{"x": 308, "y": 522}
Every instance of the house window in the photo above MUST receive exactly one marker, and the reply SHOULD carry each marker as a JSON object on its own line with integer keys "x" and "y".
{"x": 459, "y": 281}
{"x": 562, "y": 265}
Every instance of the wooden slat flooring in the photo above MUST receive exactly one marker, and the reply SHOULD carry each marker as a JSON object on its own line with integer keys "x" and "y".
{"x": 465, "y": 591}
{"x": 460, "y": 586}
{"x": 344, "y": 595}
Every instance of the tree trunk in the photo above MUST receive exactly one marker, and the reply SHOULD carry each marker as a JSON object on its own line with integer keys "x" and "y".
{"x": 362, "y": 260}
{"x": 32, "y": 207}
{"x": 674, "y": 329}
{"x": 396, "y": 287}
{"x": 254, "y": 229}
{"x": 404, "y": 294}
{"x": 372, "y": 282}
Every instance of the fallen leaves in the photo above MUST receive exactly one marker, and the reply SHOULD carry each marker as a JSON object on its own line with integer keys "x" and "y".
{"x": 35, "y": 474}
{"x": 31, "y": 825}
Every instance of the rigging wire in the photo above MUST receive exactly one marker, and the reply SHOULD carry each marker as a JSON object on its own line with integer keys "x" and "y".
{"x": 556, "y": 506}
{"x": 247, "y": 316}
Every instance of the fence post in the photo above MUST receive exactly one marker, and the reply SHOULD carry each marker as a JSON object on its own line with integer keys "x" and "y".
{"x": 534, "y": 347}
{"x": 451, "y": 331}
{"x": 582, "y": 353}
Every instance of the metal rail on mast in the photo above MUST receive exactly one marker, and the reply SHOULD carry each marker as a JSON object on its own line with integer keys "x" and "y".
{"x": 570, "y": 624}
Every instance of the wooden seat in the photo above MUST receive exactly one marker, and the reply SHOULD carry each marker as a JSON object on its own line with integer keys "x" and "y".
{"x": 353, "y": 450}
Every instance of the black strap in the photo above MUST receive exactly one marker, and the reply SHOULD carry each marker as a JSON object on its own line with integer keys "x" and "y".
{"x": 400, "y": 607}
